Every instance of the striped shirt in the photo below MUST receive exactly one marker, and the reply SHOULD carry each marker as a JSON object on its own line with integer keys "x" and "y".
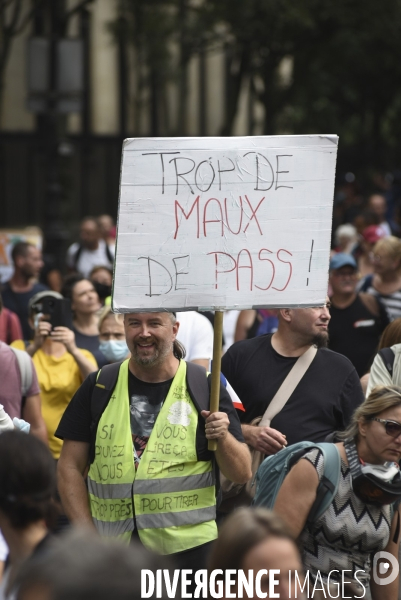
{"x": 392, "y": 302}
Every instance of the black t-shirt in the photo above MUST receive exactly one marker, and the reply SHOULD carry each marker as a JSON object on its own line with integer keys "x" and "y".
{"x": 90, "y": 343}
{"x": 148, "y": 397}
{"x": 323, "y": 401}
{"x": 145, "y": 402}
{"x": 355, "y": 332}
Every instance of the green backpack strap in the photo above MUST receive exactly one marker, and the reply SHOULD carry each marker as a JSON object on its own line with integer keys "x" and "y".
{"x": 328, "y": 484}
{"x": 106, "y": 381}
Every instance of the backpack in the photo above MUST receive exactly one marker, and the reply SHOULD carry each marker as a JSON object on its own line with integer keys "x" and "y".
{"x": 387, "y": 355}
{"x": 25, "y": 367}
{"x": 197, "y": 383}
{"x": 274, "y": 469}
{"x": 78, "y": 253}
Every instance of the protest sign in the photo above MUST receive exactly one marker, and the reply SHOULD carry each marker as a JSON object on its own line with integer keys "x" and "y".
{"x": 224, "y": 223}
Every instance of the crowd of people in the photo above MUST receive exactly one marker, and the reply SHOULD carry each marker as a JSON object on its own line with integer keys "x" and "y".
{"x": 121, "y": 434}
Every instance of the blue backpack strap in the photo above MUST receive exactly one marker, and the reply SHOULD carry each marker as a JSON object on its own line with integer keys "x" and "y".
{"x": 328, "y": 484}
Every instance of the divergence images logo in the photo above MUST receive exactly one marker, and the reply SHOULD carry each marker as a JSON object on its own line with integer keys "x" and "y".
{"x": 384, "y": 568}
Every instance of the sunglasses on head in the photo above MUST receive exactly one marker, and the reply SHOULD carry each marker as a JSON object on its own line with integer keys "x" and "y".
{"x": 392, "y": 428}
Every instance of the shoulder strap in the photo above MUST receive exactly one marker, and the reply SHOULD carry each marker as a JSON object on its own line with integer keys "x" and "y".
{"x": 198, "y": 389}
{"x": 288, "y": 386}
{"x": 76, "y": 256}
{"x": 328, "y": 484}
{"x": 387, "y": 355}
{"x": 25, "y": 367}
{"x": 370, "y": 302}
{"x": 105, "y": 383}
{"x": 8, "y": 326}
{"x": 109, "y": 255}
{"x": 198, "y": 386}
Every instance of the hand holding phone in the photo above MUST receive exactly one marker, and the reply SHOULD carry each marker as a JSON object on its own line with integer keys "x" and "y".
{"x": 42, "y": 331}
{"x": 58, "y": 310}
{"x": 65, "y": 336}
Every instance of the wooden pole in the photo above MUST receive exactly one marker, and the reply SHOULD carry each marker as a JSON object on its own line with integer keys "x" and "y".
{"x": 216, "y": 367}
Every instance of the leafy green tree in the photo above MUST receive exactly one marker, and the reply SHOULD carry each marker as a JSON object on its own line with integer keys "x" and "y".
{"x": 165, "y": 34}
{"x": 348, "y": 78}
{"x": 346, "y": 71}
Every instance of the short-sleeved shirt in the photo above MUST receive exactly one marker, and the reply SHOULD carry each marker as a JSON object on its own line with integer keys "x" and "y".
{"x": 10, "y": 377}
{"x": 146, "y": 400}
{"x": 88, "y": 259}
{"x": 355, "y": 331}
{"x": 196, "y": 335}
{"x": 323, "y": 401}
{"x": 59, "y": 378}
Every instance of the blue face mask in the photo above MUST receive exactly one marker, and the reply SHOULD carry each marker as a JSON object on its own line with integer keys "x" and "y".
{"x": 114, "y": 350}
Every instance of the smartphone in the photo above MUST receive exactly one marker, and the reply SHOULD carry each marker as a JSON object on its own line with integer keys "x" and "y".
{"x": 59, "y": 311}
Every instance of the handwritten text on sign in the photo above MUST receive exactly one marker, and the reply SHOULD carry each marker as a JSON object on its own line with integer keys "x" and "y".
{"x": 224, "y": 222}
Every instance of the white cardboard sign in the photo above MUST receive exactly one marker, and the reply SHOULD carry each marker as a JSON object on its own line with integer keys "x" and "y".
{"x": 224, "y": 223}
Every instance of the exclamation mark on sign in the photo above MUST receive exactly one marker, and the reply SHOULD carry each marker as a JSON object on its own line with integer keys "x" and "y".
{"x": 310, "y": 261}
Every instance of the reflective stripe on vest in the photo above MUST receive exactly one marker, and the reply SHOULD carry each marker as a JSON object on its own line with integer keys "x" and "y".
{"x": 176, "y": 519}
{"x": 159, "y": 486}
{"x": 114, "y": 528}
{"x": 109, "y": 491}
{"x": 173, "y": 492}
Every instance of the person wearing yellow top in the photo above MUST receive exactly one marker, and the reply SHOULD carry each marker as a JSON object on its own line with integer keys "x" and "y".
{"x": 61, "y": 367}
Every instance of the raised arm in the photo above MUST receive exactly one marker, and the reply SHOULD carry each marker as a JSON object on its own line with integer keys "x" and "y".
{"x": 67, "y": 337}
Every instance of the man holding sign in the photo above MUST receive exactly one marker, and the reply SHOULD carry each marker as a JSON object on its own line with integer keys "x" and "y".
{"x": 204, "y": 224}
{"x": 151, "y": 474}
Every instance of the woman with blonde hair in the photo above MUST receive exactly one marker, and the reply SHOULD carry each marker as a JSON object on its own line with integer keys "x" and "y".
{"x": 385, "y": 283}
{"x": 363, "y": 517}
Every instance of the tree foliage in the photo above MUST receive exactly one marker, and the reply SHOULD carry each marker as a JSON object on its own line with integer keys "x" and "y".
{"x": 346, "y": 70}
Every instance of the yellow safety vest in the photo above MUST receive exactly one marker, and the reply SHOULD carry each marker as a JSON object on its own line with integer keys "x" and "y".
{"x": 171, "y": 494}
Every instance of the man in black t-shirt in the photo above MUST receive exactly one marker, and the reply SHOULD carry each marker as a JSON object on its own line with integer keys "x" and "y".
{"x": 22, "y": 286}
{"x": 357, "y": 320}
{"x": 174, "y": 464}
{"x": 322, "y": 402}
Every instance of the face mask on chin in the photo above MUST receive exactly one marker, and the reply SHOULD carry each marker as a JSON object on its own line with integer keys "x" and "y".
{"x": 114, "y": 350}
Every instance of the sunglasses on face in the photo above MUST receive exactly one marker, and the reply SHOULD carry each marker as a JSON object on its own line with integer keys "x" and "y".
{"x": 392, "y": 428}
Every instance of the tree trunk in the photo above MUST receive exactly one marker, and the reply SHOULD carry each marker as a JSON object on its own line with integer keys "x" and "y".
{"x": 183, "y": 71}
{"x": 233, "y": 87}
